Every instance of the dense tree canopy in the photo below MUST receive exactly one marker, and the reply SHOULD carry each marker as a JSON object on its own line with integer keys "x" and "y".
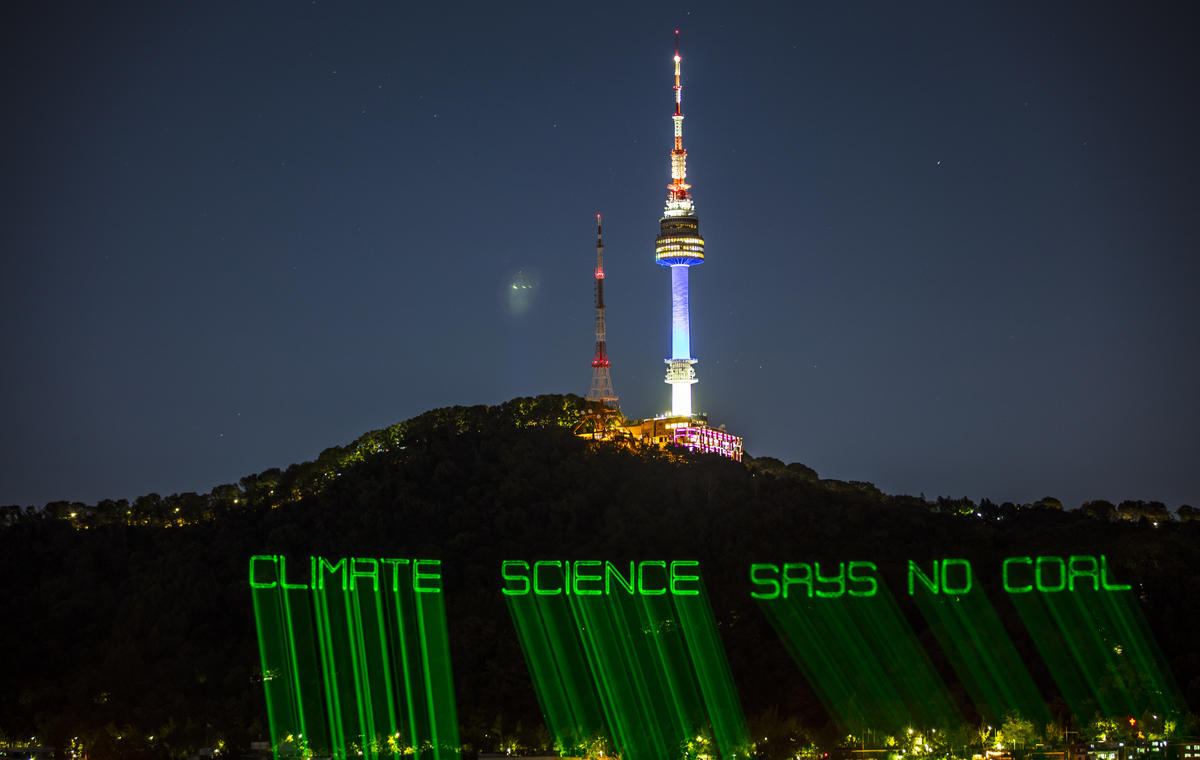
{"x": 130, "y": 629}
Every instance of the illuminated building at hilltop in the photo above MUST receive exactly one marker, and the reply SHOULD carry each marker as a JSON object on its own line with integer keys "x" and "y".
{"x": 692, "y": 433}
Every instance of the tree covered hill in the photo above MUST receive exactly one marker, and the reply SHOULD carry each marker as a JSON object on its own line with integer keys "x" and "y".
{"x": 129, "y": 625}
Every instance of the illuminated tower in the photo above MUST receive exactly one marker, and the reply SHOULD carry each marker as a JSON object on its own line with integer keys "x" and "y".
{"x": 602, "y": 388}
{"x": 678, "y": 247}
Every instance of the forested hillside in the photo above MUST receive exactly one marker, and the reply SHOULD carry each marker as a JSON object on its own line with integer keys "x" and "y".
{"x": 129, "y": 629}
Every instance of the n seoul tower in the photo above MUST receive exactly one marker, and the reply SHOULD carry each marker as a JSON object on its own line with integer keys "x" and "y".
{"x": 678, "y": 247}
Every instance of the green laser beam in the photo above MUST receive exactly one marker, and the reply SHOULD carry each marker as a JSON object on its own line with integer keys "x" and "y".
{"x": 646, "y": 673}
{"x": 356, "y": 669}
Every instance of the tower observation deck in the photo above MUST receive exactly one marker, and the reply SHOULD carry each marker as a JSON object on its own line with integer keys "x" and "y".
{"x": 678, "y": 247}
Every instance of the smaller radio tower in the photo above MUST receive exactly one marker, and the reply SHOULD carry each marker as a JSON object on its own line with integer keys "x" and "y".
{"x": 602, "y": 391}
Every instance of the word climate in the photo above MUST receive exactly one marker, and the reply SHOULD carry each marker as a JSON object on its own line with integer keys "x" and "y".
{"x": 423, "y": 576}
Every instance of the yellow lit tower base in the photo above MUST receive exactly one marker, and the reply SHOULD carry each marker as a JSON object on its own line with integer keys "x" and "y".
{"x": 692, "y": 433}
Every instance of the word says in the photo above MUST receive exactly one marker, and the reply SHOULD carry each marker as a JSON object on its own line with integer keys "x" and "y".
{"x": 346, "y": 573}
{"x": 592, "y": 577}
{"x": 1020, "y": 575}
{"x": 779, "y": 580}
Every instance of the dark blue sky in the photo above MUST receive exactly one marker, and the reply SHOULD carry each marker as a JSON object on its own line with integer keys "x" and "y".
{"x": 951, "y": 249}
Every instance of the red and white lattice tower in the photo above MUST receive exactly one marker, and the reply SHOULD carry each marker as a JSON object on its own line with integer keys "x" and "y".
{"x": 602, "y": 388}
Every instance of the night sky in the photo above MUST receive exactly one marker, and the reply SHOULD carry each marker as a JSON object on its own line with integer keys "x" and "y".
{"x": 951, "y": 249}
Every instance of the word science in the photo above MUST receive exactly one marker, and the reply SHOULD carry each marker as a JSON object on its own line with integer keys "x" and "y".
{"x": 593, "y": 577}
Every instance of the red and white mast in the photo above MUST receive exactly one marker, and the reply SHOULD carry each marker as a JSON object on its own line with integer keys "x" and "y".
{"x": 602, "y": 388}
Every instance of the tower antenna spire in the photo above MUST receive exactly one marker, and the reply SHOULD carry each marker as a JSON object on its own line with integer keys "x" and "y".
{"x": 678, "y": 87}
{"x": 678, "y": 187}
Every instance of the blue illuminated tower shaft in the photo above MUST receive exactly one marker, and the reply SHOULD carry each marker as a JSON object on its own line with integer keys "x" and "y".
{"x": 679, "y": 246}
{"x": 681, "y": 322}
{"x": 680, "y": 373}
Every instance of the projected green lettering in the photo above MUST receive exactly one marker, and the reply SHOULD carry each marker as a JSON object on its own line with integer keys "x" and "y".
{"x": 269, "y": 571}
{"x": 641, "y": 579}
{"x": 761, "y": 574}
{"x": 1041, "y": 573}
{"x": 797, "y": 573}
{"x": 855, "y": 578}
{"x": 283, "y": 576}
{"x": 583, "y": 576}
{"x": 255, "y": 561}
{"x": 537, "y": 587}
{"x": 318, "y": 565}
{"x": 592, "y": 577}
{"x": 868, "y": 580}
{"x": 1050, "y": 574}
{"x": 611, "y": 574}
{"x": 1012, "y": 567}
{"x": 678, "y": 577}
{"x": 939, "y": 579}
{"x": 395, "y": 563}
{"x": 427, "y": 582}
{"x": 951, "y": 576}
{"x": 356, "y": 572}
{"x": 1076, "y": 569}
{"x": 356, "y": 661}
{"x": 521, "y": 579}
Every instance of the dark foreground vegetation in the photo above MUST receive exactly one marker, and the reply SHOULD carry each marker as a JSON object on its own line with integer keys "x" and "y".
{"x": 128, "y": 626}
